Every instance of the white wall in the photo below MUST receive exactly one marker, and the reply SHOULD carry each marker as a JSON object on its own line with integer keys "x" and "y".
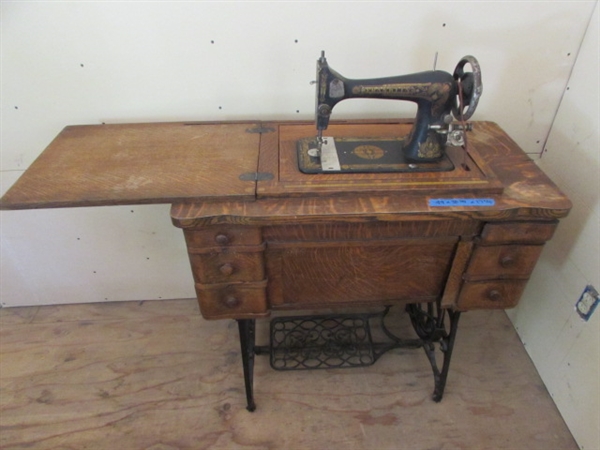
{"x": 564, "y": 348}
{"x": 67, "y": 63}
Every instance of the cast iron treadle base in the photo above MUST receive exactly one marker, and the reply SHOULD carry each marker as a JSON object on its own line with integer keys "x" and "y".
{"x": 327, "y": 342}
{"x": 345, "y": 341}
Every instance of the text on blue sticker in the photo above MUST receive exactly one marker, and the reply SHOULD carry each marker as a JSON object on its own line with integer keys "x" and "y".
{"x": 462, "y": 202}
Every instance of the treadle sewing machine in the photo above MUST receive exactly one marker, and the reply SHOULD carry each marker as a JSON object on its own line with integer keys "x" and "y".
{"x": 438, "y": 96}
{"x": 378, "y": 214}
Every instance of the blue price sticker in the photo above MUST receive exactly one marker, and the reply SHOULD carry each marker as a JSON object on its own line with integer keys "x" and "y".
{"x": 462, "y": 202}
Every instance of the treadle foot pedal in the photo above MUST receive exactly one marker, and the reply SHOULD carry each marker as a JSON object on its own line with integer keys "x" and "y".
{"x": 321, "y": 342}
{"x": 345, "y": 341}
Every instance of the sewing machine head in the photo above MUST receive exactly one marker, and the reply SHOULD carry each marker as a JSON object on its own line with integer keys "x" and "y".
{"x": 439, "y": 96}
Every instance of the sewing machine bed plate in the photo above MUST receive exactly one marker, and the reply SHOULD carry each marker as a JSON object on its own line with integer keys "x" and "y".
{"x": 279, "y": 160}
{"x": 365, "y": 156}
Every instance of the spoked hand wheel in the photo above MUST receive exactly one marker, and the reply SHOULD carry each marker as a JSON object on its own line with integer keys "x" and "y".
{"x": 470, "y": 90}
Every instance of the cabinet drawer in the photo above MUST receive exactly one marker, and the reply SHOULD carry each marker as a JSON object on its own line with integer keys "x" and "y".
{"x": 526, "y": 232}
{"x": 235, "y": 300}
{"x": 371, "y": 230}
{"x": 222, "y": 236}
{"x": 502, "y": 261}
{"x": 226, "y": 267}
{"x": 498, "y": 294}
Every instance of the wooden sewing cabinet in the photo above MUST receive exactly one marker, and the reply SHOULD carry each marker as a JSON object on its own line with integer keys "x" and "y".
{"x": 263, "y": 237}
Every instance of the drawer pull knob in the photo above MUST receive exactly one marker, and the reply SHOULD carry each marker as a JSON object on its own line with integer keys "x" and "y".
{"x": 222, "y": 239}
{"x": 507, "y": 261}
{"x": 494, "y": 295}
{"x": 231, "y": 301}
{"x": 226, "y": 269}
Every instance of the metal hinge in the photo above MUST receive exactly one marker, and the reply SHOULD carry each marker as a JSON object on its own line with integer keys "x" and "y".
{"x": 256, "y": 176}
{"x": 260, "y": 129}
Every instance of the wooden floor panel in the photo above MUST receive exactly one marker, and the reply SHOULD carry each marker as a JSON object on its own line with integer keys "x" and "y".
{"x": 155, "y": 375}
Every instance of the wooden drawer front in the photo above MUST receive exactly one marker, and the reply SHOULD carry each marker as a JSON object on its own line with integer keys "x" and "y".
{"x": 376, "y": 230}
{"x": 222, "y": 236}
{"x": 526, "y": 232}
{"x": 319, "y": 276}
{"x": 236, "y": 300}
{"x": 498, "y": 294}
{"x": 225, "y": 267}
{"x": 503, "y": 261}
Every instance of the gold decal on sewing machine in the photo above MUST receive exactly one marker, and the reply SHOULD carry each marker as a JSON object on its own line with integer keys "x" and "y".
{"x": 322, "y": 86}
{"x": 394, "y": 90}
{"x": 439, "y": 92}
{"x": 429, "y": 149}
{"x": 369, "y": 152}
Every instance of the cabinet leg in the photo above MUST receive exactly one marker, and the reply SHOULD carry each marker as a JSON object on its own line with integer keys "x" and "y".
{"x": 247, "y": 329}
{"x": 429, "y": 323}
{"x": 446, "y": 345}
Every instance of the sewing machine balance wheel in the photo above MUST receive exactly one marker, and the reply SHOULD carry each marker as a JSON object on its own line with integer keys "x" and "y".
{"x": 471, "y": 88}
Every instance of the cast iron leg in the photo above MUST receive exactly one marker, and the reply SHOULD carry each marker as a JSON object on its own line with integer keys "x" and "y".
{"x": 428, "y": 322}
{"x": 446, "y": 345}
{"x": 247, "y": 328}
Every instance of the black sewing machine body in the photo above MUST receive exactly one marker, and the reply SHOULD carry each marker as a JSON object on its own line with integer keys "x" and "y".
{"x": 438, "y": 96}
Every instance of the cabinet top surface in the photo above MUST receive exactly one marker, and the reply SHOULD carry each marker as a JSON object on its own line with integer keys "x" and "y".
{"x": 95, "y": 165}
{"x": 210, "y": 169}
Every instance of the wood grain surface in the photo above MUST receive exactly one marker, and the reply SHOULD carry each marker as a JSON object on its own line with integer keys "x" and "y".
{"x": 202, "y": 162}
{"x": 154, "y": 375}
{"x": 92, "y": 165}
{"x": 311, "y": 275}
{"x": 527, "y": 194}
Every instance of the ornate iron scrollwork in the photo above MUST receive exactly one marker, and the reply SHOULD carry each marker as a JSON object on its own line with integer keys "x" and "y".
{"x": 428, "y": 320}
{"x": 345, "y": 340}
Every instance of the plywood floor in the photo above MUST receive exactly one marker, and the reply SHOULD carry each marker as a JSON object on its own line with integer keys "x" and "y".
{"x": 155, "y": 375}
